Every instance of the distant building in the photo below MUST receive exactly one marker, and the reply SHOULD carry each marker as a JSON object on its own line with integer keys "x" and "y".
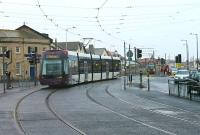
{"x": 22, "y": 41}
{"x": 97, "y": 51}
{"x": 72, "y": 46}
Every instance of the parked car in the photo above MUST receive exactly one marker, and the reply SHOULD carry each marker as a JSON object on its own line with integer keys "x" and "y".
{"x": 194, "y": 74}
{"x": 182, "y": 74}
{"x": 197, "y": 77}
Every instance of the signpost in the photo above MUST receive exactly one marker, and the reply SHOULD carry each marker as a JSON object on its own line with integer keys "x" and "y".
{"x": 130, "y": 55}
{"x": 5, "y": 54}
{"x": 33, "y": 58}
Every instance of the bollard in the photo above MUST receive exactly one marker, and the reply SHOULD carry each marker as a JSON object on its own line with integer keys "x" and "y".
{"x": 140, "y": 79}
{"x": 124, "y": 82}
{"x": 148, "y": 81}
{"x": 169, "y": 86}
{"x": 178, "y": 89}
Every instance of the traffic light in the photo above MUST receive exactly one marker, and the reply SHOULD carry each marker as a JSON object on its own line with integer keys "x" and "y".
{"x": 179, "y": 58}
{"x": 33, "y": 58}
{"x": 7, "y": 54}
{"x": 176, "y": 59}
{"x": 139, "y": 53}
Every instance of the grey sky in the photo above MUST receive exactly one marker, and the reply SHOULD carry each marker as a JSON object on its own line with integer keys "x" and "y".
{"x": 158, "y": 24}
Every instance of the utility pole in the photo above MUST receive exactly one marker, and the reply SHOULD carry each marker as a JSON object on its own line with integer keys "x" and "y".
{"x": 197, "y": 61}
{"x": 4, "y": 79}
{"x": 135, "y": 58}
{"x": 197, "y": 51}
{"x": 129, "y": 63}
{"x": 35, "y": 64}
{"x": 124, "y": 65}
{"x": 5, "y": 54}
{"x": 187, "y": 52}
{"x": 66, "y": 33}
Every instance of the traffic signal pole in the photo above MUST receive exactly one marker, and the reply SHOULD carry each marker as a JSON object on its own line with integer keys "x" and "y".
{"x": 4, "y": 81}
{"x": 129, "y": 64}
{"x": 135, "y": 58}
{"x": 35, "y": 66}
{"x": 124, "y": 66}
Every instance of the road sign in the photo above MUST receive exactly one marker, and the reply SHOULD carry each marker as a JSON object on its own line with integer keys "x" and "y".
{"x": 129, "y": 53}
{"x": 129, "y": 59}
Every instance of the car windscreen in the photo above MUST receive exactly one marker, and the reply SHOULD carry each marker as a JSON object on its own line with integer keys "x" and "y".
{"x": 183, "y": 72}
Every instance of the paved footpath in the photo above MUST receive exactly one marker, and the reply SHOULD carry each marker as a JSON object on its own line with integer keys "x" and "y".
{"x": 8, "y": 102}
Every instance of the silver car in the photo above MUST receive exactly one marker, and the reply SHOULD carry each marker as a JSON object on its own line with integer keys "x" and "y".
{"x": 182, "y": 74}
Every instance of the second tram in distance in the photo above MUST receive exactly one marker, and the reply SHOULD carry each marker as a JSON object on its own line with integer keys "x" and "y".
{"x": 61, "y": 68}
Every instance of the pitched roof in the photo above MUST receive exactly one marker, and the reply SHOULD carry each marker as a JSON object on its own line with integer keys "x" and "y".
{"x": 99, "y": 51}
{"x": 90, "y": 49}
{"x": 9, "y": 33}
{"x": 23, "y": 32}
{"x": 71, "y": 46}
{"x": 31, "y": 33}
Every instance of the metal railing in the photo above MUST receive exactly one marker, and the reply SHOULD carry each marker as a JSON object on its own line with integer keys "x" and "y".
{"x": 189, "y": 89}
{"x": 21, "y": 83}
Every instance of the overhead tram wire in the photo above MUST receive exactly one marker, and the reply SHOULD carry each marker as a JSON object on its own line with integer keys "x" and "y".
{"x": 157, "y": 17}
{"x": 109, "y": 7}
{"x": 52, "y": 21}
{"x": 109, "y": 16}
{"x": 46, "y": 5}
{"x": 135, "y": 23}
{"x": 100, "y": 25}
{"x": 102, "y": 6}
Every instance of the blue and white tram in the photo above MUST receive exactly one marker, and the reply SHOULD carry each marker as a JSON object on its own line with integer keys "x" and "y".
{"x": 61, "y": 67}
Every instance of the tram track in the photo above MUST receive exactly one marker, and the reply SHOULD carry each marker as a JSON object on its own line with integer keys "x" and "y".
{"x": 16, "y": 114}
{"x": 125, "y": 116}
{"x": 167, "y": 115}
{"x": 162, "y": 104}
{"x": 21, "y": 129}
{"x": 59, "y": 117}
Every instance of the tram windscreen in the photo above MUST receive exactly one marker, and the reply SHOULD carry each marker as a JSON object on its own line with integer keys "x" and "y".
{"x": 52, "y": 67}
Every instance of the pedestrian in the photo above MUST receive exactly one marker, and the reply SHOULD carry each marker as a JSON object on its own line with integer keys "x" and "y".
{"x": 8, "y": 79}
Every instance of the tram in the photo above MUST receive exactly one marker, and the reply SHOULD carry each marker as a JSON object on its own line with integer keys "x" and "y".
{"x": 62, "y": 67}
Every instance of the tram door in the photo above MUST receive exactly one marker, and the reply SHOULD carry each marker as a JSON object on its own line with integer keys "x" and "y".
{"x": 86, "y": 70}
{"x": 107, "y": 70}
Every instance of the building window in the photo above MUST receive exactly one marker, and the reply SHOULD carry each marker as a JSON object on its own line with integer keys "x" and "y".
{"x": 32, "y": 49}
{"x": 17, "y": 49}
{"x": 18, "y": 68}
{"x": 3, "y": 49}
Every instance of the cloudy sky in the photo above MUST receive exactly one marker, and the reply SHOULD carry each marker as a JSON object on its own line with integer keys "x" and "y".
{"x": 156, "y": 24}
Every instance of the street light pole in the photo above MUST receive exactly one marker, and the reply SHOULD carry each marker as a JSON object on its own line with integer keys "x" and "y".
{"x": 197, "y": 62}
{"x": 66, "y": 33}
{"x": 187, "y": 52}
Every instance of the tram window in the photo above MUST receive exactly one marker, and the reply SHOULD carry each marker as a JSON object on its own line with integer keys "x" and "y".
{"x": 116, "y": 65}
{"x": 52, "y": 67}
{"x": 103, "y": 66}
{"x": 96, "y": 66}
{"x": 84, "y": 63}
{"x": 110, "y": 66}
{"x": 66, "y": 67}
{"x": 81, "y": 67}
{"x": 73, "y": 65}
{"x": 89, "y": 66}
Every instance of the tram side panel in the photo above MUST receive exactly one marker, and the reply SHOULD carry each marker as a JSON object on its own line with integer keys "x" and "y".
{"x": 96, "y": 69}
